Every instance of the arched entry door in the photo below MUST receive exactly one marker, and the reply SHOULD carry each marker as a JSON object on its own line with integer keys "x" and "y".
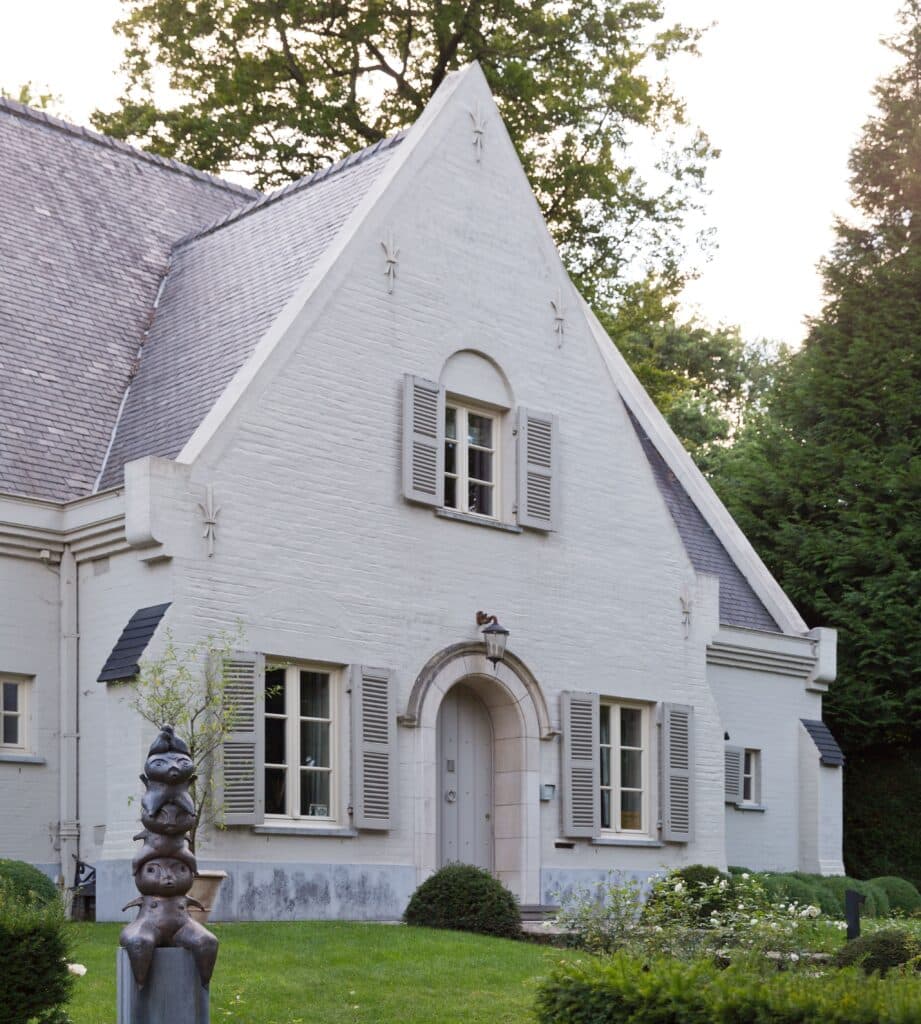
{"x": 465, "y": 775}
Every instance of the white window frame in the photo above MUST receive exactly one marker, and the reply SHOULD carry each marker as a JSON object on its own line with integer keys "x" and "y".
{"x": 463, "y": 409}
{"x": 612, "y": 707}
{"x": 293, "y": 720}
{"x": 21, "y": 714}
{"x": 751, "y": 777}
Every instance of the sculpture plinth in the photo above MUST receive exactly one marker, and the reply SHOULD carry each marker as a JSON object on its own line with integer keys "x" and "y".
{"x": 167, "y": 958}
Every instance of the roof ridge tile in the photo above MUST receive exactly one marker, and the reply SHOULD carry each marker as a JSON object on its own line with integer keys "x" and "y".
{"x": 80, "y": 131}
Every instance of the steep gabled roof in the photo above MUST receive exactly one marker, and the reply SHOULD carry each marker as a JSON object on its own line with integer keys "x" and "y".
{"x": 226, "y": 285}
{"x": 86, "y": 226}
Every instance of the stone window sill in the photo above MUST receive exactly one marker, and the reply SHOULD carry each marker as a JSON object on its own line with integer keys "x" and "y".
{"x": 305, "y": 830}
{"x": 21, "y": 759}
{"x": 623, "y": 841}
{"x": 760, "y": 808}
{"x": 463, "y": 517}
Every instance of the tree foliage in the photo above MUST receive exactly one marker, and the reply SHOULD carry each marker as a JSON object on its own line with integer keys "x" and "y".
{"x": 279, "y": 88}
{"x": 827, "y": 483}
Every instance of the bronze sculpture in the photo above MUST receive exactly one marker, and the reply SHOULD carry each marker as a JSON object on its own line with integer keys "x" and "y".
{"x": 164, "y": 868}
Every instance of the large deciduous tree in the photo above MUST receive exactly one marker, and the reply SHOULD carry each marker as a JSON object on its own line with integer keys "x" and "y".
{"x": 828, "y": 483}
{"x": 278, "y": 88}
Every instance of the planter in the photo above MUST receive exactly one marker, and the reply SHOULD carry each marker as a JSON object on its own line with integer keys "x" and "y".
{"x": 205, "y": 889}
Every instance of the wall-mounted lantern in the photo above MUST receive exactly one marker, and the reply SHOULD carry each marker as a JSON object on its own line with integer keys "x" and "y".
{"x": 494, "y": 635}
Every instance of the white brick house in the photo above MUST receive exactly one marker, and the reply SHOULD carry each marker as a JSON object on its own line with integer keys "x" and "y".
{"x": 351, "y": 414}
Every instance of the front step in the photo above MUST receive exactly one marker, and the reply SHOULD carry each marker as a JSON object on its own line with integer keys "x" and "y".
{"x": 537, "y": 912}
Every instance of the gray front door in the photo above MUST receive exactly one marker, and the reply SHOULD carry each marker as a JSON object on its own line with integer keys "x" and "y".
{"x": 465, "y": 776}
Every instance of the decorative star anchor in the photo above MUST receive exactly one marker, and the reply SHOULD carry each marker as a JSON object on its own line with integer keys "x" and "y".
{"x": 559, "y": 315}
{"x": 479, "y": 131}
{"x": 686, "y": 607}
{"x": 209, "y": 518}
{"x": 392, "y": 256}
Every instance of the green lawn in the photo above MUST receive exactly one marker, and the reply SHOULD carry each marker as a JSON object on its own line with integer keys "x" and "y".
{"x": 301, "y": 972}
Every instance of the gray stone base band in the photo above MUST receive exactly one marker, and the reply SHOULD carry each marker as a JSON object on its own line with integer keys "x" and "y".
{"x": 173, "y": 992}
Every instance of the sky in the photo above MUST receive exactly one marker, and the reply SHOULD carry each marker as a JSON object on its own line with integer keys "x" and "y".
{"x": 782, "y": 89}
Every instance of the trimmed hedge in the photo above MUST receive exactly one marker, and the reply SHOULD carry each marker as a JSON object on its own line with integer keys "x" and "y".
{"x": 26, "y": 882}
{"x": 904, "y": 898}
{"x": 626, "y": 990}
{"x": 467, "y": 899}
{"x": 33, "y": 953}
{"x": 879, "y": 951}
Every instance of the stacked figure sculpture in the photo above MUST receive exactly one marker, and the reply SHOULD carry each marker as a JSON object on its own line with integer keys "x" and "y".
{"x": 164, "y": 867}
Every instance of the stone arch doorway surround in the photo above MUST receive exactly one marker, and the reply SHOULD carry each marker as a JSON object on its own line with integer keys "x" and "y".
{"x": 520, "y": 722}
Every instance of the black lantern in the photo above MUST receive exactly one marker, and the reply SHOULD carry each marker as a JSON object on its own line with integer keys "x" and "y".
{"x": 494, "y": 635}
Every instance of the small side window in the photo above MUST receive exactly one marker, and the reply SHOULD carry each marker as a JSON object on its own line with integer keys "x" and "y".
{"x": 14, "y": 719}
{"x": 751, "y": 777}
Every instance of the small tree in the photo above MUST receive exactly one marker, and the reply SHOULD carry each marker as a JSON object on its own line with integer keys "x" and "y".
{"x": 187, "y": 687}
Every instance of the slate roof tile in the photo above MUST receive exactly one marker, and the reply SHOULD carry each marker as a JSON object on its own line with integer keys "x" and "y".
{"x": 829, "y": 752}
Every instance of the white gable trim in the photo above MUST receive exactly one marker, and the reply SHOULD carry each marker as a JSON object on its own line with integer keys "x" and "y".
{"x": 695, "y": 484}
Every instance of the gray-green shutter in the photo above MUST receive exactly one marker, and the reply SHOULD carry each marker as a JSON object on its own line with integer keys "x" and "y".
{"x": 677, "y": 773}
{"x": 373, "y": 748}
{"x": 581, "y": 796}
{"x": 735, "y": 763}
{"x": 423, "y": 441}
{"x": 242, "y": 790}
{"x": 538, "y": 482}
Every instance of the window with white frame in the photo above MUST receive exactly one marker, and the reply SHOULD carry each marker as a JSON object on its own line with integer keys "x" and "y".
{"x": 471, "y": 460}
{"x": 751, "y": 777}
{"x": 300, "y": 742}
{"x": 623, "y": 732}
{"x": 13, "y": 714}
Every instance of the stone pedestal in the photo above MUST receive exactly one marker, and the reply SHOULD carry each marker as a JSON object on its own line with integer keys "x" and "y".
{"x": 173, "y": 993}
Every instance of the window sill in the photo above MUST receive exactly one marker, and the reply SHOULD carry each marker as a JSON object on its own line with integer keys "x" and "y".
{"x": 336, "y": 831}
{"x": 20, "y": 759}
{"x": 623, "y": 841}
{"x": 464, "y": 517}
{"x": 760, "y": 808}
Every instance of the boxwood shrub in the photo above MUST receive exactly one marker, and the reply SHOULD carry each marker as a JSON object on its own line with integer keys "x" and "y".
{"x": 26, "y": 882}
{"x": 626, "y": 990}
{"x": 904, "y": 898}
{"x": 33, "y": 952}
{"x": 467, "y": 899}
{"x": 879, "y": 951}
{"x": 695, "y": 875}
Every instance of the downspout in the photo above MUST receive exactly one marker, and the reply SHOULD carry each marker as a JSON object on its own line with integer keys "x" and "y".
{"x": 69, "y": 827}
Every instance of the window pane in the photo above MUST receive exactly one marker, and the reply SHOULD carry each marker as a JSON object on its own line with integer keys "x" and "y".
{"x": 450, "y": 492}
{"x": 479, "y": 499}
{"x": 314, "y": 694}
{"x": 275, "y": 791}
{"x": 11, "y": 729}
{"x": 748, "y": 762}
{"x": 479, "y": 430}
{"x": 631, "y": 727}
{"x": 450, "y": 422}
{"x": 631, "y": 810}
{"x": 604, "y": 725}
{"x": 315, "y": 794}
{"x": 315, "y": 744}
{"x": 10, "y": 697}
{"x": 275, "y": 741}
{"x": 275, "y": 691}
{"x": 631, "y": 769}
{"x": 479, "y": 464}
{"x": 450, "y": 457}
{"x": 605, "y": 808}
{"x": 747, "y": 788}
{"x": 605, "y": 766}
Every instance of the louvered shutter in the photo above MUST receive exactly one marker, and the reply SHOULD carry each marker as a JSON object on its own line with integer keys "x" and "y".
{"x": 242, "y": 788}
{"x": 537, "y": 477}
{"x": 677, "y": 769}
{"x": 580, "y": 789}
{"x": 373, "y": 748}
{"x": 735, "y": 760}
{"x": 423, "y": 441}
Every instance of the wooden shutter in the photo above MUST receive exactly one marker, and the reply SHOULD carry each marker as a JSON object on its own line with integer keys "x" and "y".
{"x": 537, "y": 476}
{"x": 580, "y": 784}
{"x": 735, "y": 761}
{"x": 373, "y": 748}
{"x": 423, "y": 441}
{"x": 677, "y": 772}
{"x": 242, "y": 789}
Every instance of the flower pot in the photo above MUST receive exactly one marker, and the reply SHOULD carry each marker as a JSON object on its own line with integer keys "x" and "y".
{"x": 205, "y": 889}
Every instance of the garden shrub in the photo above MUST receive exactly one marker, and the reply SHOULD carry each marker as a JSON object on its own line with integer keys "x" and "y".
{"x": 701, "y": 880}
{"x": 800, "y": 889}
{"x": 636, "y": 990}
{"x": 904, "y": 898}
{"x": 877, "y": 902}
{"x": 879, "y": 951}
{"x": 601, "y": 918}
{"x": 33, "y": 951}
{"x": 27, "y": 883}
{"x": 465, "y": 898}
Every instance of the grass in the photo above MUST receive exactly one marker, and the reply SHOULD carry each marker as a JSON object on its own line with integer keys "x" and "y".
{"x": 318, "y": 972}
